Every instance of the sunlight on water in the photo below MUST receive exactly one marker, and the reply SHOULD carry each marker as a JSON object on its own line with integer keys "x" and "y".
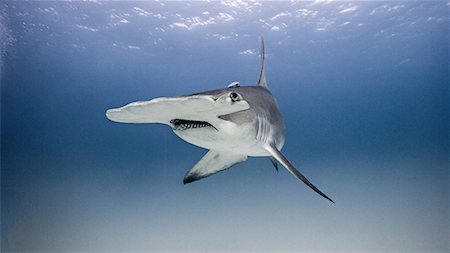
{"x": 362, "y": 88}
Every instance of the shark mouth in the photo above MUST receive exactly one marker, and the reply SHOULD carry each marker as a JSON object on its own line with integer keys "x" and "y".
{"x": 183, "y": 124}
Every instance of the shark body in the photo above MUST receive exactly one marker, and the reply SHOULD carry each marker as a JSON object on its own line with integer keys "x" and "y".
{"x": 232, "y": 123}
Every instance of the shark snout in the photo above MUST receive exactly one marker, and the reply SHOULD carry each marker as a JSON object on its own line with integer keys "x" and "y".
{"x": 113, "y": 115}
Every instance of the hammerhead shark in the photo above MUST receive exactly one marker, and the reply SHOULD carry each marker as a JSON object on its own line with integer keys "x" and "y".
{"x": 232, "y": 123}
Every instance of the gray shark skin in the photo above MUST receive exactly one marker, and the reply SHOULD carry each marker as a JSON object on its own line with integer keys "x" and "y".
{"x": 232, "y": 123}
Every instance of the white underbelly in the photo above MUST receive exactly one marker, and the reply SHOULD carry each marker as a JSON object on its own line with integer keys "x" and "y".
{"x": 228, "y": 138}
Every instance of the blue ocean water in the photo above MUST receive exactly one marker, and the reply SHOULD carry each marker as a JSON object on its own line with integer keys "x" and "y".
{"x": 362, "y": 87}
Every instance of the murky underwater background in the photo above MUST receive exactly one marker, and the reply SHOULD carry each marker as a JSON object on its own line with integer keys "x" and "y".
{"x": 362, "y": 86}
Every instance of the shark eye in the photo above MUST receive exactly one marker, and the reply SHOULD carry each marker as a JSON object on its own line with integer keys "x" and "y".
{"x": 234, "y": 96}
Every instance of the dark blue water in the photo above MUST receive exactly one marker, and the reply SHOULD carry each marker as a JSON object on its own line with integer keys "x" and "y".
{"x": 362, "y": 86}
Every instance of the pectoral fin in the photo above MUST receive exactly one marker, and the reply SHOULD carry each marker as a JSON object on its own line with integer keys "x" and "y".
{"x": 281, "y": 159}
{"x": 212, "y": 163}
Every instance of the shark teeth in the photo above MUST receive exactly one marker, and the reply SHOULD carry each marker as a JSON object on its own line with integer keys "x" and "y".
{"x": 182, "y": 124}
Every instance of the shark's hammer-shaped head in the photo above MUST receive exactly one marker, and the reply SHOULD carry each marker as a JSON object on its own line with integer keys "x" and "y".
{"x": 221, "y": 119}
{"x": 200, "y": 107}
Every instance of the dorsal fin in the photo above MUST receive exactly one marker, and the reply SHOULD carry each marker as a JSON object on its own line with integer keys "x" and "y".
{"x": 262, "y": 73}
